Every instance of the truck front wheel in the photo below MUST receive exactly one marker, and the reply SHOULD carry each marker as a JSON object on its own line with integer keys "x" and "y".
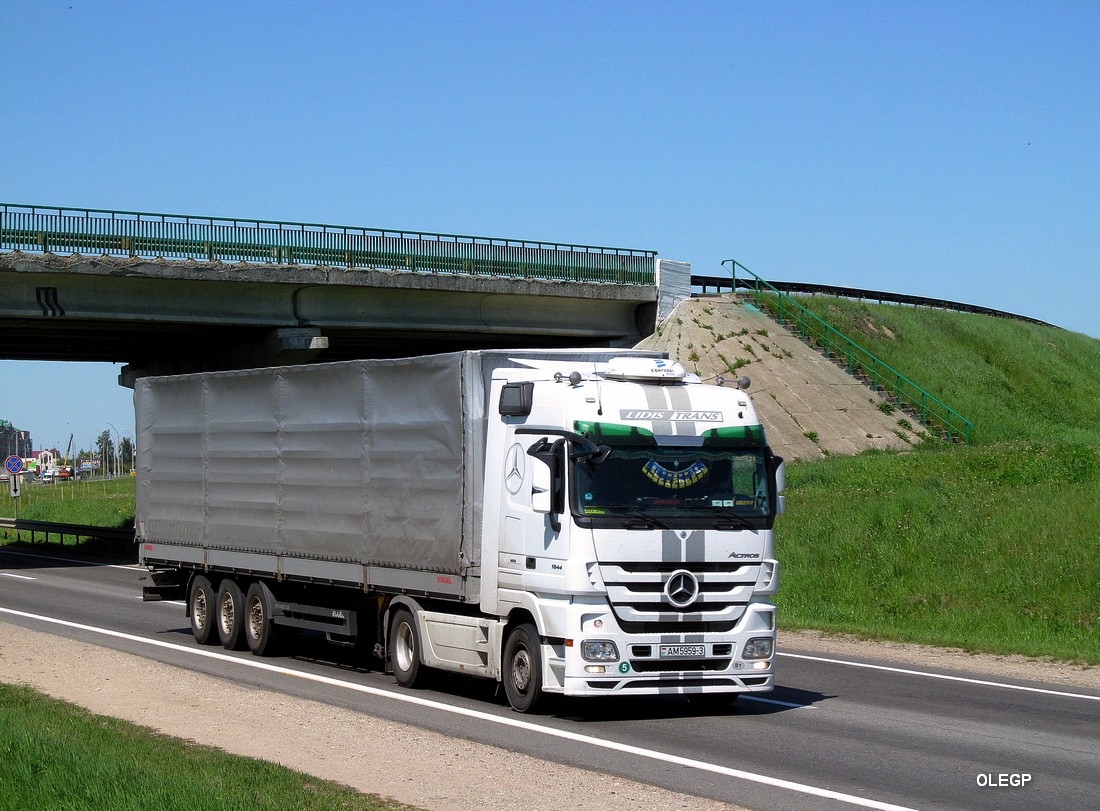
{"x": 523, "y": 668}
{"x": 201, "y": 604}
{"x": 404, "y": 644}
{"x": 230, "y": 615}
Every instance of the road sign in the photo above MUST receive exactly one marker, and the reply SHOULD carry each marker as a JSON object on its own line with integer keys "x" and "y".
{"x": 16, "y": 488}
{"x": 13, "y": 464}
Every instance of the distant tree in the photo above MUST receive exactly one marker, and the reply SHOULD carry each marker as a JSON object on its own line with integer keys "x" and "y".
{"x": 126, "y": 451}
{"x": 106, "y": 448}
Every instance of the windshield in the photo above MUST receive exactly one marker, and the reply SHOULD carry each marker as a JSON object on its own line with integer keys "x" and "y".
{"x": 674, "y": 486}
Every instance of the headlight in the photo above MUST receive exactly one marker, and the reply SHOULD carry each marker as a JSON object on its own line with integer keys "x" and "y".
{"x": 599, "y": 650}
{"x": 758, "y": 648}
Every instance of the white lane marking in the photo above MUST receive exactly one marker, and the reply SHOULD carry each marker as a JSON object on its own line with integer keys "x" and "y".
{"x": 926, "y": 674}
{"x": 527, "y": 726}
{"x": 75, "y": 561}
{"x": 17, "y": 576}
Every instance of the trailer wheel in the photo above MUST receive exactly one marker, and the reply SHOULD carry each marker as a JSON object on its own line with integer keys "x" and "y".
{"x": 259, "y": 628}
{"x": 230, "y": 615}
{"x": 404, "y": 642}
{"x": 201, "y": 604}
{"x": 523, "y": 668}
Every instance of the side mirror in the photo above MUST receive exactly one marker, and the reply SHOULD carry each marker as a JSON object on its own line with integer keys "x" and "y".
{"x": 542, "y": 489}
{"x": 778, "y": 469}
{"x": 548, "y": 479}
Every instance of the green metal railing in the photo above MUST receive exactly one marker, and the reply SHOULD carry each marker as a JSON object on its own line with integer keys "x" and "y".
{"x": 177, "y": 236}
{"x": 831, "y": 342}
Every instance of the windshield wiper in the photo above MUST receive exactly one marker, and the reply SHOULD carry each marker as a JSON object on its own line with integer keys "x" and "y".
{"x": 638, "y": 518}
{"x": 736, "y": 519}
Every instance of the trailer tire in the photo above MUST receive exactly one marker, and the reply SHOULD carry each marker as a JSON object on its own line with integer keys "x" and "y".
{"x": 404, "y": 643}
{"x": 201, "y": 602}
{"x": 522, "y": 671}
{"x": 230, "y": 615}
{"x": 259, "y": 627}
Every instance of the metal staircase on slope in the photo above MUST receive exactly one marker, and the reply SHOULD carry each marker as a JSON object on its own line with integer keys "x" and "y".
{"x": 857, "y": 361}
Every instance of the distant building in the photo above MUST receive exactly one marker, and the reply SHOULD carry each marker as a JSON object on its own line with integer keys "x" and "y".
{"x": 47, "y": 459}
{"x": 14, "y": 442}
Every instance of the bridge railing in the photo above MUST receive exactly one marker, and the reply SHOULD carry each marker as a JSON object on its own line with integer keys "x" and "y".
{"x": 832, "y": 342}
{"x": 177, "y": 236}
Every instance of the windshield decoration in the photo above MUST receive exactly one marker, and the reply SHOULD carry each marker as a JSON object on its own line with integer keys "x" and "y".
{"x": 675, "y": 479}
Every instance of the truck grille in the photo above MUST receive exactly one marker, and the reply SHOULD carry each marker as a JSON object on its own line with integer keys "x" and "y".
{"x": 638, "y": 593}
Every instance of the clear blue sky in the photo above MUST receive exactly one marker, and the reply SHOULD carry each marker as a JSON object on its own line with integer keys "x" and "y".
{"x": 943, "y": 149}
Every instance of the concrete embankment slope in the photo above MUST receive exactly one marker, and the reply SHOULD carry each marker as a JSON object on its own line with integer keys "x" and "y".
{"x": 809, "y": 406}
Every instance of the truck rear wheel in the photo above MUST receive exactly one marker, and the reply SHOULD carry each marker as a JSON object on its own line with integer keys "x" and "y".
{"x": 404, "y": 642}
{"x": 230, "y": 615}
{"x": 259, "y": 629}
{"x": 201, "y": 602}
{"x": 523, "y": 668}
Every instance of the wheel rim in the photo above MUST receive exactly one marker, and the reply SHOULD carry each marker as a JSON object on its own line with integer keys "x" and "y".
{"x": 404, "y": 646}
{"x": 255, "y": 618}
{"x": 521, "y": 671}
{"x": 199, "y": 609}
{"x": 227, "y": 614}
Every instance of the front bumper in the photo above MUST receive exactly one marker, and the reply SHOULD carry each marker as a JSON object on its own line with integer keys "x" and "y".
{"x": 705, "y": 662}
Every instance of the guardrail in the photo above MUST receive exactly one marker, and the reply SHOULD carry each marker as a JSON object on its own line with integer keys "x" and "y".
{"x": 830, "y": 341}
{"x": 43, "y": 229}
{"x": 76, "y": 531}
{"x": 720, "y": 283}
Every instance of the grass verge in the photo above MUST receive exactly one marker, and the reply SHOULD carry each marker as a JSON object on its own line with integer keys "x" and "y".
{"x": 59, "y": 756}
{"x": 95, "y": 502}
{"x": 988, "y": 549}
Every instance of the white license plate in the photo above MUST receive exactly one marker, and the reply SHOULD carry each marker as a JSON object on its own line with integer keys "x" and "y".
{"x": 682, "y": 651}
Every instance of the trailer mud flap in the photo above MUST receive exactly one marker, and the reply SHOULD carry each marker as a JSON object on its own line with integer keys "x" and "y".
{"x": 170, "y": 584}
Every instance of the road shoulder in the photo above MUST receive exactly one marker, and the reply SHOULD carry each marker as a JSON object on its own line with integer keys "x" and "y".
{"x": 372, "y": 755}
{"x": 983, "y": 665}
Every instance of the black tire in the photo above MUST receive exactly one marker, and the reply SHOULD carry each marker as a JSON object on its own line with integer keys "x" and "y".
{"x": 522, "y": 669}
{"x": 229, "y": 615}
{"x": 404, "y": 645}
{"x": 260, "y": 631}
{"x": 201, "y": 602}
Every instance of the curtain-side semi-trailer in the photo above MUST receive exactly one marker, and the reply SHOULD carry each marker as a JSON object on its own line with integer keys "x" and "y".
{"x": 578, "y": 522}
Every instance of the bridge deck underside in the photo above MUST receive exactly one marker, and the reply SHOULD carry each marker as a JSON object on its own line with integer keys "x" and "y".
{"x": 170, "y": 316}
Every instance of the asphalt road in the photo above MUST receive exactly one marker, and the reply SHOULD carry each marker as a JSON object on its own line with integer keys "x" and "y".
{"x": 834, "y": 734}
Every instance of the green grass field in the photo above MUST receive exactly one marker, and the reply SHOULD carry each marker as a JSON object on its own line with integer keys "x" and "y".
{"x": 58, "y": 756}
{"x": 95, "y": 502}
{"x": 992, "y": 547}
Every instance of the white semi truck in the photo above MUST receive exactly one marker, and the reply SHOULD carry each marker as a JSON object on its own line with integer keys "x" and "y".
{"x": 572, "y": 522}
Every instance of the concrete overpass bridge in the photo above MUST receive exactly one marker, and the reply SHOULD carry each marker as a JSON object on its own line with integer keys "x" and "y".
{"x": 168, "y": 294}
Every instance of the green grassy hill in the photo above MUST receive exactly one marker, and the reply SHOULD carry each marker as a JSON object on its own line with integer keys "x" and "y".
{"x": 995, "y": 547}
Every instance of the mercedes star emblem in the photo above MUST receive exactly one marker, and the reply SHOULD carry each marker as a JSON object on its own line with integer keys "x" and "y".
{"x": 682, "y": 588}
{"x": 513, "y": 469}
